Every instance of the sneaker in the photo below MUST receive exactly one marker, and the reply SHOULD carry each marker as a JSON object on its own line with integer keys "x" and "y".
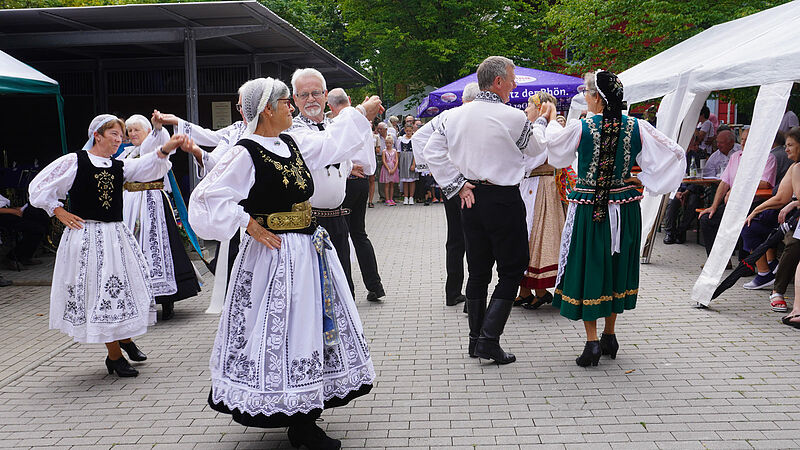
{"x": 405, "y": 200}
{"x": 410, "y": 200}
{"x": 761, "y": 281}
{"x": 773, "y": 266}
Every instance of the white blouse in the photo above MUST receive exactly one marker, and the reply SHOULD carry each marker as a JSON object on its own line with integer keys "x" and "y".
{"x": 214, "y": 209}
{"x": 222, "y": 140}
{"x": 662, "y": 160}
{"x": 55, "y": 180}
{"x": 154, "y": 140}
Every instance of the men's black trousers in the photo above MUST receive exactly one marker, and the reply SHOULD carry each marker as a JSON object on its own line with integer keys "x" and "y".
{"x": 356, "y": 201}
{"x": 454, "y": 249}
{"x": 495, "y": 231}
{"x": 32, "y": 225}
{"x": 337, "y": 230}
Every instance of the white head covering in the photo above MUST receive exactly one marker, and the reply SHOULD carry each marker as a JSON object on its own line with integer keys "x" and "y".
{"x": 97, "y": 122}
{"x": 139, "y": 119}
{"x": 255, "y": 95}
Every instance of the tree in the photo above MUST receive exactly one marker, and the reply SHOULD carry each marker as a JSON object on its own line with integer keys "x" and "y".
{"x": 618, "y": 34}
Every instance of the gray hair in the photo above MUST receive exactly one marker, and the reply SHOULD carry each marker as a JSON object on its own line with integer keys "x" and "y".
{"x": 338, "y": 98}
{"x": 394, "y": 119}
{"x": 471, "y": 91}
{"x": 307, "y": 72}
{"x": 491, "y": 68}
{"x": 138, "y": 119}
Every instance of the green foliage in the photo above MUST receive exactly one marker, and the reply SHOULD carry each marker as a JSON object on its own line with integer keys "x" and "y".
{"x": 618, "y": 34}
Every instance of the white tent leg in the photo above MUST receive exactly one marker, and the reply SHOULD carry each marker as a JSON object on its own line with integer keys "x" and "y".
{"x": 769, "y": 108}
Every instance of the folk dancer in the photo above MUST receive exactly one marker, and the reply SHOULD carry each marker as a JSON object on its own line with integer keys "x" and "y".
{"x": 148, "y": 213}
{"x": 101, "y": 284}
{"x": 483, "y": 166}
{"x": 598, "y": 269}
{"x": 290, "y": 341}
{"x": 454, "y": 245}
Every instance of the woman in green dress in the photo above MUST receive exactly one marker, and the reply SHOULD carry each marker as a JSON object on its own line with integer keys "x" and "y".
{"x": 598, "y": 273}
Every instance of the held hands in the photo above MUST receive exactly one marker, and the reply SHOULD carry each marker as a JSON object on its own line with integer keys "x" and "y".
{"x": 467, "y": 197}
{"x": 68, "y": 219}
{"x": 177, "y": 140}
{"x": 262, "y": 235}
{"x": 372, "y": 107}
{"x": 164, "y": 119}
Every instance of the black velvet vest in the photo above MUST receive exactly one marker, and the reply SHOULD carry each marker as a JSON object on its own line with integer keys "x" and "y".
{"x": 96, "y": 193}
{"x": 280, "y": 182}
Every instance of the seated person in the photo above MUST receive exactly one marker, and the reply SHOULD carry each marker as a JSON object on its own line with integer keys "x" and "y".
{"x": 690, "y": 196}
{"x": 32, "y": 223}
{"x": 759, "y": 224}
{"x": 711, "y": 216}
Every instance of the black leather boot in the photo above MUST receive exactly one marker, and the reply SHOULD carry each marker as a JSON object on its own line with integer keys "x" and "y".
{"x": 121, "y": 367}
{"x": 590, "y": 355}
{"x": 133, "y": 351}
{"x": 609, "y": 345}
{"x": 312, "y": 436}
{"x": 488, "y": 346}
{"x": 476, "y": 309}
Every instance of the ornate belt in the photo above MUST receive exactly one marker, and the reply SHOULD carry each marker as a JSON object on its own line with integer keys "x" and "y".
{"x": 335, "y": 212}
{"x": 298, "y": 218}
{"x": 149, "y": 186}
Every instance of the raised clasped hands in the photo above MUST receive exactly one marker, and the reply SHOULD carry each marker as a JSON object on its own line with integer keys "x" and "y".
{"x": 372, "y": 107}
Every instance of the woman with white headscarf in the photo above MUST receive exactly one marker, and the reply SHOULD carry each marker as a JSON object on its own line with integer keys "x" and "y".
{"x": 147, "y": 212}
{"x": 101, "y": 288}
{"x": 290, "y": 341}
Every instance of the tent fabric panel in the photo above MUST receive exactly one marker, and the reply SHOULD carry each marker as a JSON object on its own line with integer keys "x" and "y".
{"x": 769, "y": 108}
{"x": 10, "y": 85}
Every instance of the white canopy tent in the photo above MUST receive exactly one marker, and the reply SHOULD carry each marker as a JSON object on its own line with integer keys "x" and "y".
{"x": 757, "y": 50}
{"x": 408, "y": 105}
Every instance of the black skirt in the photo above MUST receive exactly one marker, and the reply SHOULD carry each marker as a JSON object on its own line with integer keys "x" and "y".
{"x": 185, "y": 275}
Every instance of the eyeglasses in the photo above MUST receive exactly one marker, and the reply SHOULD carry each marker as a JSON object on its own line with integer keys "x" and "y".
{"x": 239, "y": 107}
{"x": 315, "y": 94}
{"x": 287, "y": 100}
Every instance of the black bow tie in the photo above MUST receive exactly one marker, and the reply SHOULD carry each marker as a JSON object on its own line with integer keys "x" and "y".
{"x": 320, "y": 125}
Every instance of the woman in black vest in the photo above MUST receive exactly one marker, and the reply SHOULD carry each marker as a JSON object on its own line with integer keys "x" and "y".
{"x": 101, "y": 288}
{"x": 290, "y": 342}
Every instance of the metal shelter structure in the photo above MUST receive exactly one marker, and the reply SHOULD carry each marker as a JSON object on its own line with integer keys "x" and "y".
{"x": 174, "y": 49}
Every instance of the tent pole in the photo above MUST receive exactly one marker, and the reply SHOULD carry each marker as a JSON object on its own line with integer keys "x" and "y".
{"x": 61, "y": 127}
{"x": 192, "y": 114}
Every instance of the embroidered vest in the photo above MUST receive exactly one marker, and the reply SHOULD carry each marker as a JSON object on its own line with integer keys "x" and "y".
{"x": 628, "y": 148}
{"x": 280, "y": 182}
{"x": 96, "y": 193}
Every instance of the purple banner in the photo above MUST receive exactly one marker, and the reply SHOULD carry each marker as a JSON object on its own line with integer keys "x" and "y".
{"x": 529, "y": 82}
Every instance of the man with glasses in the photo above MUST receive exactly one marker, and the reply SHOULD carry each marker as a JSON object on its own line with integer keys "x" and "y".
{"x": 310, "y": 94}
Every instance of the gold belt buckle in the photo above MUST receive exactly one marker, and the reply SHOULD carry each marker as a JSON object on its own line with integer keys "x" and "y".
{"x": 296, "y": 219}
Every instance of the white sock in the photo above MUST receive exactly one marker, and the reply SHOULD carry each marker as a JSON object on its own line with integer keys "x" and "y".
{"x": 763, "y": 274}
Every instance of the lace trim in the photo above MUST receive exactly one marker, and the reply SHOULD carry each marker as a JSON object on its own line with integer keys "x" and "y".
{"x": 566, "y": 240}
{"x": 489, "y": 96}
{"x": 525, "y": 137}
{"x": 157, "y": 248}
{"x": 450, "y": 189}
{"x": 591, "y": 173}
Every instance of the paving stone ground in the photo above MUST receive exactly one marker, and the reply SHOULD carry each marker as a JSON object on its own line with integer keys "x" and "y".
{"x": 726, "y": 377}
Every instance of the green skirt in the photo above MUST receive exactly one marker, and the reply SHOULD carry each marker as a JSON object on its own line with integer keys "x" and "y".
{"x": 595, "y": 283}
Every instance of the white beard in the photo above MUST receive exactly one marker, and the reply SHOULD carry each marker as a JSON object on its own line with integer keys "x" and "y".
{"x": 311, "y": 111}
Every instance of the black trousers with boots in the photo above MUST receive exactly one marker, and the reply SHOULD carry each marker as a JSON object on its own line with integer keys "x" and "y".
{"x": 454, "y": 249}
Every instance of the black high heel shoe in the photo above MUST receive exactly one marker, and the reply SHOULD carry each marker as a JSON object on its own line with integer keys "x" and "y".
{"x": 522, "y": 301}
{"x": 313, "y": 437}
{"x": 590, "y": 355}
{"x": 121, "y": 367}
{"x": 133, "y": 351}
{"x": 546, "y": 298}
{"x": 609, "y": 345}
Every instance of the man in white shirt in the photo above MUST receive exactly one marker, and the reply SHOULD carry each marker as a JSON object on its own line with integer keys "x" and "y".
{"x": 477, "y": 155}
{"x": 310, "y": 94}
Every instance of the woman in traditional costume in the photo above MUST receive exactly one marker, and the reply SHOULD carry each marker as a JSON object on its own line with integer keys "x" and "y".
{"x": 147, "y": 212}
{"x": 101, "y": 288}
{"x": 598, "y": 270}
{"x": 290, "y": 341}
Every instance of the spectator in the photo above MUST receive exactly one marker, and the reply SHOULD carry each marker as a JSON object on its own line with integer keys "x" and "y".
{"x": 700, "y": 147}
{"x": 417, "y": 125}
{"x": 408, "y": 174}
{"x": 784, "y": 273}
{"x": 32, "y": 223}
{"x": 788, "y": 122}
{"x": 394, "y": 128}
{"x": 380, "y": 145}
{"x": 711, "y": 216}
{"x": 782, "y": 161}
{"x": 690, "y": 196}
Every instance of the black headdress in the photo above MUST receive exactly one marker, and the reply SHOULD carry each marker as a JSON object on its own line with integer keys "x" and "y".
{"x": 611, "y": 91}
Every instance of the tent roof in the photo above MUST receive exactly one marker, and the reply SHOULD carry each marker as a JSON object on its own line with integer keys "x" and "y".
{"x": 13, "y": 68}
{"x": 408, "y": 105}
{"x": 226, "y": 32}
{"x": 754, "y": 50}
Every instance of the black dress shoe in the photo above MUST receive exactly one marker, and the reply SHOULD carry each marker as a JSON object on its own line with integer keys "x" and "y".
{"x": 522, "y": 301}
{"x": 167, "y": 310}
{"x": 455, "y": 300}
{"x": 609, "y": 345}
{"x": 121, "y": 367}
{"x": 133, "y": 351}
{"x": 591, "y": 354}
{"x": 4, "y": 282}
{"x": 313, "y": 437}
{"x": 669, "y": 239}
{"x": 680, "y": 238}
{"x": 374, "y": 296}
{"x": 546, "y": 298}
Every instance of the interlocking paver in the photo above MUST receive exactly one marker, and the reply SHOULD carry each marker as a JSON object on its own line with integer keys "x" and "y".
{"x": 726, "y": 377}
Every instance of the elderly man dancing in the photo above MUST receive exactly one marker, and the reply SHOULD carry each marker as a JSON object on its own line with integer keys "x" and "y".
{"x": 483, "y": 166}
